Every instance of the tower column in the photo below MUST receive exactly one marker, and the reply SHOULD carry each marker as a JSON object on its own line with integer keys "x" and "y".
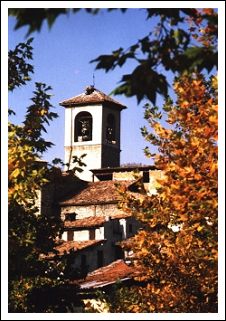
{"x": 92, "y": 127}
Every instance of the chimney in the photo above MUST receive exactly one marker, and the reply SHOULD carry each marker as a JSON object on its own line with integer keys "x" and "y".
{"x": 89, "y": 90}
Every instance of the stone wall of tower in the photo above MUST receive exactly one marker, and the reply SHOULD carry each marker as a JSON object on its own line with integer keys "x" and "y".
{"x": 111, "y": 152}
{"x": 92, "y": 148}
{"x": 72, "y": 112}
{"x": 116, "y": 113}
{"x": 99, "y": 151}
{"x": 110, "y": 156}
{"x": 92, "y": 159}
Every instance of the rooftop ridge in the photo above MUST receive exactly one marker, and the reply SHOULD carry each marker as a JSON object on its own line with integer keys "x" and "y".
{"x": 92, "y": 95}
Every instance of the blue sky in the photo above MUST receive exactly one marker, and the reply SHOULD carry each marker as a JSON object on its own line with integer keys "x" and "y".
{"x": 61, "y": 58}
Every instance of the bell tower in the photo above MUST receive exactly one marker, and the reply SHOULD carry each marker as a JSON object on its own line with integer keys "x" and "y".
{"x": 92, "y": 127}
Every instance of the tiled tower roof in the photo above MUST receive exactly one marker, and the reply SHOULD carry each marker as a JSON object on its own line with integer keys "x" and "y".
{"x": 91, "y": 96}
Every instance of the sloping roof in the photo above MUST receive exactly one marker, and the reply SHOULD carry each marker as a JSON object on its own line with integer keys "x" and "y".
{"x": 93, "y": 221}
{"x": 72, "y": 246}
{"x": 118, "y": 216}
{"x": 96, "y": 193}
{"x": 91, "y": 96}
{"x": 109, "y": 274}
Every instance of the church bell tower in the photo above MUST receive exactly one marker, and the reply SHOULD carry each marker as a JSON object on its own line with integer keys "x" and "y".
{"x": 92, "y": 127}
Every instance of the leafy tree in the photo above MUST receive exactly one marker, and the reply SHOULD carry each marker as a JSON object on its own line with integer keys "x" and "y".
{"x": 177, "y": 249}
{"x": 176, "y": 44}
{"x": 29, "y": 234}
{"x": 32, "y": 234}
{"x": 34, "y": 18}
{"x": 169, "y": 47}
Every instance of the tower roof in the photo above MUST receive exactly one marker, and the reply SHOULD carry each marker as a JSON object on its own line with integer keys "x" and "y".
{"x": 91, "y": 96}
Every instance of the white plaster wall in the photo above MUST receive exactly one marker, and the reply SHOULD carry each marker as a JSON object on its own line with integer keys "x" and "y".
{"x": 107, "y": 209}
{"x": 90, "y": 210}
{"x": 92, "y": 159}
{"x": 81, "y": 211}
{"x": 92, "y": 148}
{"x": 99, "y": 233}
{"x": 82, "y": 235}
{"x": 68, "y": 125}
{"x": 64, "y": 236}
{"x": 123, "y": 224}
{"x": 70, "y": 114}
{"x": 38, "y": 201}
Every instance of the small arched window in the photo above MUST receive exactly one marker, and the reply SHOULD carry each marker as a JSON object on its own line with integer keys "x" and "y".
{"x": 110, "y": 129}
{"x": 83, "y": 127}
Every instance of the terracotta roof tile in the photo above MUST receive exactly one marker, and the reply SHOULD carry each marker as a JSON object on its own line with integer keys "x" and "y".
{"x": 117, "y": 270}
{"x": 91, "y": 221}
{"x": 96, "y": 193}
{"x": 67, "y": 246}
{"x": 91, "y": 96}
{"x": 120, "y": 215}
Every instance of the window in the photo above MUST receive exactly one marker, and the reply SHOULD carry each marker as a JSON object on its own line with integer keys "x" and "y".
{"x": 116, "y": 227}
{"x": 70, "y": 217}
{"x": 92, "y": 234}
{"x": 119, "y": 253}
{"x": 83, "y": 261}
{"x": 130, "y": 228}
{"x": 110, "y": 129}
{"x": 83, "y": 127}
{"x": 70, "y": 235}
{"x": 100, "y": 258}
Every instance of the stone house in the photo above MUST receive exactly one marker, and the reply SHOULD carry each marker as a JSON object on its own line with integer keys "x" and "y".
{"x": 93, "y": 223}
{"x": 93, "y": 215}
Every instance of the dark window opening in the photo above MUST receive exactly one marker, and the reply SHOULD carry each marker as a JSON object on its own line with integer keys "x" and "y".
{"x": 83, "y": 261}
{"x": 146, "y": 177}
{"x": 92, "y": 234}
{"x": 83, "y": 127}
{"x": 119, "y": 254}
{"x": 70, "y": 235}
{"x": 100, "y": 258}
{"x": 116, "y": 227}
{"x": 130, "y": 228}
{"x": 110, "y": 129}
{"x": 70, "y": 217}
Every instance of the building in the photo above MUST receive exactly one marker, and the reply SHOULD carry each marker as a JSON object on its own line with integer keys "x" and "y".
{"x": 92, "y": 127}
{"x": 93, "y": 222}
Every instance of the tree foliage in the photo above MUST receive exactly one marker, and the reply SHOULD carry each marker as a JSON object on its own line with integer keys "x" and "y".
{"x": 19, "y": 67}
{"x": 32, "y": 233}
{"x": 34, "y": 18}
{"x": 177, "y": 43}
{"x": 171, "y": 46}
{"x": 177, "y": 249}
{"x": 29, "y": 233}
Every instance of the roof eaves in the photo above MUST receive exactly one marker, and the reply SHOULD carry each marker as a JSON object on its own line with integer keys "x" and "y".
{"x": 85, "y": 203}
{"x": 101, "y": 284}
